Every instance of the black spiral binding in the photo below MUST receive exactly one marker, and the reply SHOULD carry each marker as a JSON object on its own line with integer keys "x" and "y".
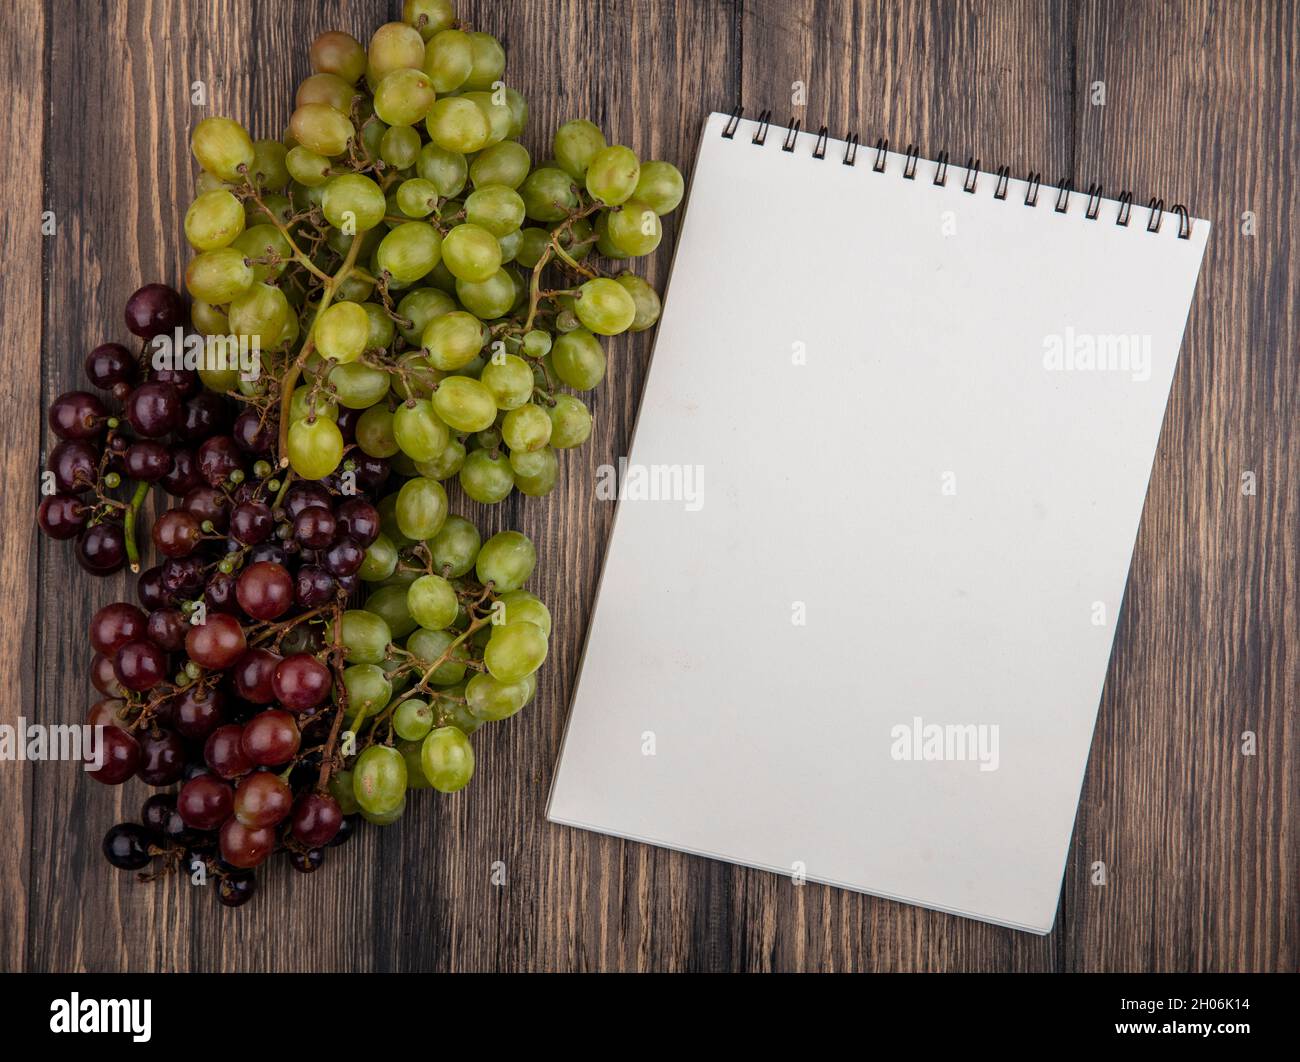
{"x": 1064, "y": 187}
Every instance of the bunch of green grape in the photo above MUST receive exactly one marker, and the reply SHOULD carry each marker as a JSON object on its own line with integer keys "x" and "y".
{"x": 448, "y": 639}
{"x": 421, "y": 291}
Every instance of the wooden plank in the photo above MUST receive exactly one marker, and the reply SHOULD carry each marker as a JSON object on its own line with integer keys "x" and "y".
{"x": 22, "y": 75}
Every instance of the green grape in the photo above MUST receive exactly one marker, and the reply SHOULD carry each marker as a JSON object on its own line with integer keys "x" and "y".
{"x": 273, "y": 209}
{"x": 379, "y": 779}
{"x": 353, "y": 202}
{"x": 268, "y": 169}
{"x": 260, "y": 313}
{"x": 223, "y": 148}
{"x": 536, "y": 343}
{"x": 326, "y": 88}
{"x": 380, "y": 562}
{"x": 342, "y": 331}
{"x": 453, "y": 712}
{"x": 400, "y": 146}
{"x": 339, "y": 53}
{"x": 365, "y": 636}
{"x": 518, "y": 113}
{"x": 515, "y": 651}
{"x": 307, "y": 167}
{"x": 448, "y": 759}
{"x": 522, "y": 605}
{"x": 421, "y": 508}
{"x": 510, "y": 245}
{"x": 218, "y": 276}
{"x": 420, "y": 377}
{"x": 448, "y": 59}
{"x": 421, "y": 306}
{"x": 471, "y": 252}
{"x": 213, "y": 220}
{"x": 489, "y": 62}
{"x": 498, "y": 115}
{"x": 207, "y": 319}
{"x": 386, "y": 818}
{"x": 535, "y": 471}
{"x": 430, "y": 17}
{"x": 579, "y": 359}
{"x": 206, "y": 182}
{"x": 487, "y": 439}
{"x": 532, "y": 245}
{"x": 409, "y": 251}
{"x": 315, "y": 447}
{"x": 526, "y": 428}
{"x": 374, "y": 432}
{"x": 464, "y": 404}
{"x": 264, "y": 241}
{"x": 446, "y": 170}
{"x": 419, "y": 432}
{"x": 410, "y": 751}
{"x": 431, "y": 602}
{"x": 455, "y": 548}
{"x": 576, "y": 143}
{"x": 340, "y": 788}
{"x": 492, "y": 700}
{"x": 488, "y": 298}
{"x": 387, "y": 507}
{"x": 446, "y": 464}
{"x": 605, "y": 307}
{"x": 322, "y": 129}
{"x": 495, "y": 207}
{"x": 372, "y": 135}
{"x": 510, "y": 380}
{"x": 485, "y": 478}
{"x": 382, "y": 328}
{"x": 413, "y": 719}
{"x": 453, "y": 340}
{"x": 506, "y": 561}
{"x": 459, "y": 125}
{"x": 428, "y": 647}
{"x": 506, "y": 164}
{"x": 393, "y": 46}
{"x": 389, "y": 604}
{"x": 603, "y": 243}
{"x": 612, "y": 174}
{"x": 548, "y": 194}
{"x": 303, "y": 405}
{"x": 634, "y": 228}
{"x": 442, "y": 278}
{"x": 417, "y": 198}
{"x": 660, "y": 187}
{"x": 404, "y": 97}
{"x": 570, "y": 422}
{"x": 646, "y": 300}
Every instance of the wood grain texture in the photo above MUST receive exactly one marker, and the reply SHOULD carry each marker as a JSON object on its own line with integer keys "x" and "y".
{"x": 1200, "y": 842}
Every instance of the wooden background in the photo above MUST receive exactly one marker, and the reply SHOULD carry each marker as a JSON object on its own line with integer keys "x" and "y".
{"x": 1202, "y": 106}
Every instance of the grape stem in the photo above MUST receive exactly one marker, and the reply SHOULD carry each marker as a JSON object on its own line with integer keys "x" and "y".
{"x": 295, "y": 370}
{"x": 132, "y": 549}
{"x": 341, "y": 709}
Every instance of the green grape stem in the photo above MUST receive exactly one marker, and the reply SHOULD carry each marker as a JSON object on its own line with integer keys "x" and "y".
{"x": 298, "y": 255}
{"x": 552, "y": 249}
{"x": 132, "y": 548}
{"x": 332, "y": 285}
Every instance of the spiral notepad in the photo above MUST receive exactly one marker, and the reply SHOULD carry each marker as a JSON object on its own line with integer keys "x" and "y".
{"x": 876, "y": 522}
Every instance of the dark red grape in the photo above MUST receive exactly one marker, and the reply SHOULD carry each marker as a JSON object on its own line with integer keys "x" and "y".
{"x": 205, "y": 802}
{"x": 218, "y": 458}
{"x": 237, "y": 889}
{"x": 167, "y": 628}
{"x": 359, "y": 521}
{"x": 316, "y": 819}
{"x": 153, "y": 409}
{"x": 344, "y": 557}
{"x": 346, "y": 829}
{"x": 140, "y": 665}
{"x": 307, "y": 862}
{"x": 176, "y": 533}
{"x": 347, "y": 583}
{"x": 184, "y": 474}
{"x": 101, "y": 549}
{"x": 224, "y": 751}
{"x": 116, "y": 624}
{"x": 246, "y": 846}
{"x": 120, "y": 754}
{"x": 253, "y": 433}
{"x": 314, "y": 527}
{"x": 371, "y": 472}
{"x": 106, "y": 712}
{"x": 301, "y": 682}
{"x": 62, "y": 516}
{"x": 155, "y": 310}
{"x": 254, "y": 675}
{"x": 77, "y": 415}
{"x": 198, "y": 712}
{"x": 150, "y": 590}
{"x": 262, "y": 799}
{"x": 186, "y": 382}
{"x": 147, "y": 461}
{"x": 217, "y": 643}
{"x": 268, "y": 551}
{"x": 75, "y": 465}
{"x": 313, "y": 586}
{"x": 347, "y": 423}
{"x": 207, "y": 503}
{"x": 110, "y": 364}
{"x": 183, "y": 575}
{"x": 304, "y": 493}
{"x": 156, "y": 811}
{"x": 104, "y": 678}
{"x": 220, "y": 593}
{"x": 126, "y": 846}
{"x": 251, "y": 522}
{"x": 205, "y": 414}
{"x": 162, "y": 757}
{"x": 271, "y": 738}
{"x": 265, "y": 590}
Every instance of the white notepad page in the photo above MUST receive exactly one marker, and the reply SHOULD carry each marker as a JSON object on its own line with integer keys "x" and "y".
{"x": 905, "y": 497}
